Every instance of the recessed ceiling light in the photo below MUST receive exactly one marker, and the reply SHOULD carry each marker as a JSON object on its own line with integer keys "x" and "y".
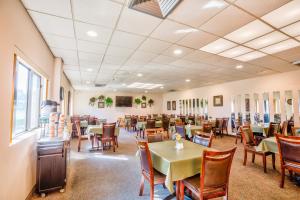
{"x": 266, "y": 40}
{"x": 287, "y": 44}
{"x": 218, "y": 46}
{"x": 293, "y": 30}
{"x": 92, "y": 33}
{"x": 250, "y": 56}
{"x": 148, "y": 86}
{"x": 236, "y": 51}
{"x": 177, "y": 51}
{"x": 214, "y": 4}
{"x": 187, "y": 80}
{"x": 249, "y": 31}
{"x": 139, "y": 75}
{"x": 284, "y": 15}
{"x": 89, "y": 69}
{"x": 188, "y": 30}
{"x": 239, "y": 66}
{"x": 162, "y": 87}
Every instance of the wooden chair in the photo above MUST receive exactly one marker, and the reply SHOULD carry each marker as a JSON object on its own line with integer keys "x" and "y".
{"x": 153, "y": 131}
{"x": 80, "y": 136}
{"x": 148, "y": 172}
{"x": 108, "y": 135}
{"x": 158, "y": 137}
{"x": 214, "y": 177}
{"x": 289, "y": 152}
{"x": 150, "y": 123}
{"x": 249, "y": 146}
{"x": 237, "y": 132}
{"x": 284, "y": 127}
{"x": 133, "y": 123}
{"x": 225, "y": 125}
{"x": 207, "y": 127}
{"x": 203, "y": 139}
{"x": 218, "y": 129}
{"x": 166, "y": 125}
{"x": 191, "y": 119}
{"x": 180, "y": 130}
{"x": 273, "y": 129}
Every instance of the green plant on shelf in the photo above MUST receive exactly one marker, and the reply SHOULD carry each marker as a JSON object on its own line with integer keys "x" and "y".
{"x": 150, "y": 102}
{"x": 144, "y": 98}
{"x": 92, "y": 101}
{"x": 101, "y": 98}
{"x": 137, "y": 101}
{"x": 109, "y": 101}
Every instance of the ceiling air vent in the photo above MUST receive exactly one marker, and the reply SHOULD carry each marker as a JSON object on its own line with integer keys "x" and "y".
{"x": 157, "y": 8}
{"x": 100, "y": 85}
{"x": 297, "y": 62}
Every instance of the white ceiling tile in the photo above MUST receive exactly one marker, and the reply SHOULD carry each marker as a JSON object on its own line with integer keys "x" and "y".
{"x": 71, "y": 61}
{"x": 236, "y": 51}
{"x": 102, "y": 12}
{"x": 284, "y": 15}
{"x": 60, "y": 8}
{"x": 266, "y": 40}
{"x": 52, "y": 24}
{"x": 218, "y": 46}
{"x": 195, "y": 12}
{"x": 119, "y": 51}
{"x": 91, "y": 47}
{"x": 137, "y": 22}
{"x": 71, "y": 67}
{"x": 115, "y": 60}
{"x": 90, "y": 57}
{"x": 177, "y": 51}
{"x": 170, "y": 31}
{"x": 63, "y": 53}
{"x": 293, "y": 29}
{"x": 104, "y": 34}
{"x": 250, "y": 56}
{"x": 290, "y": 55}
{"x": 259, "y": 7}
{"x": 197, "y": 39}
{"x": 60, "y": 42}
{"x": 73, "y": 74}
{"x": 154, "y": 46}
{"x": 126, "y": 40}
{"x": 287, "y": 44}
{"x": 109, "y": 67}
{"x": 88, "y": 76}
{"x": 164, "y": 59}
{"x": 248, "y": 32}
{"x": 143, "y": 56}
{"x": 227, "y": 21}
{"x": 197, "y": 56}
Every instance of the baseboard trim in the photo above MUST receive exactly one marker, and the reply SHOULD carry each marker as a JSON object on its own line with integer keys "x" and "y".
{"x": 29, "y": 196}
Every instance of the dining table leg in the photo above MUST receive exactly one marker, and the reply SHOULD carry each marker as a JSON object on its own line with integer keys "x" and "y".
{"x": 177, "y": 190}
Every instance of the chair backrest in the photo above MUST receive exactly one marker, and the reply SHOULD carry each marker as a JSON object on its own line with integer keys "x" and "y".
{"x": 284, "y": 127}
{"x": 219, "y": 122}
{"x": 166, "y": 123}
{"x": 215, "y": 172}
{"x": 247, "y": 135}
{"x": 78, "y": 130}
{"x": 207, "y": 127}
{"x": 133, "y": 121}
{"x": 145, "y": 158}
{"x": 289, "y": 148}
{"x": 273, "y": 128}
{"x": 290, "y": 126}
{"x": 202, "y": 140}
{"x": 157, "y": 137}
{"x": 108, "y": 130}
{"x": 225, "y": 123}
{"x": 150, "y": 123}
{"x": 180, "y": 130}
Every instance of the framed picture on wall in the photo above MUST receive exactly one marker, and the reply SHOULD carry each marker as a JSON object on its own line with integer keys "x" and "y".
{"x": 173, "y": 105}
{"x": 168, "y": 105}
{"x": 143, "y": 105}
{"x": 100, "y": 104}
{"x": 247, "y": 105}
{"x": 218, "y": 101}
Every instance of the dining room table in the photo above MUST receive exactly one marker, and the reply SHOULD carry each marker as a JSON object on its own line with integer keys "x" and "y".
{"x": 141, "y": 125}
{"x": 176, "y": 164}
{"x": 191, "y": 130}
{"x": 260, "y": 129}
{"x": 268, "y": 144}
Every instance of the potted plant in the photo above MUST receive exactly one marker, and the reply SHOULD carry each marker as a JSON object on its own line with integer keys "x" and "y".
{"x": 101, "y": 98}
{"x": 144, "y": 98}
{"x": 92, "y": 101}
{"x": 150, "y": 102}
{"x": 109, "y": 101}
{"x": 137, "y": 101}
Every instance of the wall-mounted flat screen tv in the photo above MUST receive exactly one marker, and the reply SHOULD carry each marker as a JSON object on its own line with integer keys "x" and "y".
{"x": 123, "y": 101}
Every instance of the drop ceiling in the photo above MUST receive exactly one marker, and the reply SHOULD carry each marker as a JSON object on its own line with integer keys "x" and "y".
{"x": 105, "y": 42}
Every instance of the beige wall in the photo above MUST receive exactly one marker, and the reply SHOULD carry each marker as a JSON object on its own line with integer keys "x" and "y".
{"x": 18, "y": 35}
{"x": 82, "y": 107}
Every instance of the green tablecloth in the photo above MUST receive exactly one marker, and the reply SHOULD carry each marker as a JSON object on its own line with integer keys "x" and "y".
{"x": 268, "y": 144}
{"x": 260, "y": 129}
{"x": 98, "y": 130}
{"x": 191, "y": 130}
{"x": 142, "y": 125}
{"x": 176, "y": 164}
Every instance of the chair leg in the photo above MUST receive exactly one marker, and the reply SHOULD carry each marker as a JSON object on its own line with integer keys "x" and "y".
{"x": 113, "y": 143}
{"x": 253, "y": 157}
{"x": 273, "y": 161}
{"x": 245, "y": 157}
{"x": 79, "y": 143}
{"x": 151, "y": 191}
{"x": 142, "y": 186}
{"x": 181, "y": 191}
{"x": 282, "y": 177}
{"x": 265, "y": 163}
{"x": 236, "y": 137}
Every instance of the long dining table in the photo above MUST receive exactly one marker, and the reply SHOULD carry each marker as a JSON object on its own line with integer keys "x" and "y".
{"x": 176, "y": 164}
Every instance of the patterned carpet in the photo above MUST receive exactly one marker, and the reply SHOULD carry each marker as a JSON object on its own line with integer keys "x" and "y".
{"x": 115, "y": 176}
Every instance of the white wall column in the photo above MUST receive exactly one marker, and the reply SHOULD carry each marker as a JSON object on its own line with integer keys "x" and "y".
{"x": 58, "y": 69}
{"x": 272, "y": 106}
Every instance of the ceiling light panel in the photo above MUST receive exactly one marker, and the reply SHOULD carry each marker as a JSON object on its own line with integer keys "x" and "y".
{"x": 292, "y": 30}
{"x": 267, "y": 40}
{"x": 250, "y": 56}
{"x": 148, "y": 86}
{"x": 287, "y": 44}
{"x": 218, "y": 46}
{"x": 284, "y": 15}
{"x": 236, "y": 51}
{"x": 248, "y": 32}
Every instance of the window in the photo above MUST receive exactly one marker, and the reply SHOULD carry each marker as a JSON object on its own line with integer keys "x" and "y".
{"x": 27, "y": 96}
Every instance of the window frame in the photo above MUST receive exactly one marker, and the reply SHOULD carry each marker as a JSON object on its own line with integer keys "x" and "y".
{"x": 31, "y": 73}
